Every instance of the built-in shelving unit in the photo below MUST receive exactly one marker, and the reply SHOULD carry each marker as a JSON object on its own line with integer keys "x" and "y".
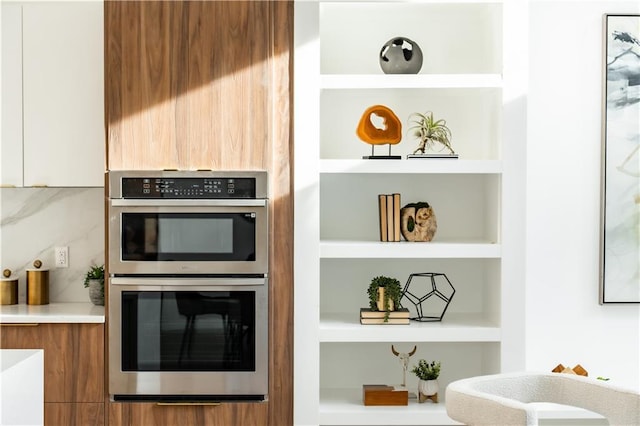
{"x": 471, "y": 78}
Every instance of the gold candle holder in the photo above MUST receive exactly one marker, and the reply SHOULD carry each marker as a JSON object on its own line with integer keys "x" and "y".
{"x": 8, "y": 288}
{"x": 37, "y": 285}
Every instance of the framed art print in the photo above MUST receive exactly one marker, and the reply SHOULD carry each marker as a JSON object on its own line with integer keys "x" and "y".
{"x": 620, "y": 191}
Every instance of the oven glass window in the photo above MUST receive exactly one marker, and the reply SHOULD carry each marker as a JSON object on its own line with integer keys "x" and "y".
{"x": 188, "y": 331}
{"x": 188, "y": 236}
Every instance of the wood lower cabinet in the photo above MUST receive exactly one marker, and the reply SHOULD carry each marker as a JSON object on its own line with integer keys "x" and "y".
{"x": 149, "y": 414}
{"x": 73, "y": 368}
{"x": 74, "y": 413}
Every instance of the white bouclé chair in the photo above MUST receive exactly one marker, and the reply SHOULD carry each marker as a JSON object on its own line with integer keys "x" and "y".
{"x": 504, "y": 399}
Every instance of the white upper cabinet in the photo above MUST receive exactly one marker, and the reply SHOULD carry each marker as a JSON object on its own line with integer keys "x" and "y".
{"x": 11, "y": 94}
{"x": 62, "y": 86}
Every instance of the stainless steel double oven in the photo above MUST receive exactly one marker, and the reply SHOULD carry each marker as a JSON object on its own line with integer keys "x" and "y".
{"x": 188, "y": 285}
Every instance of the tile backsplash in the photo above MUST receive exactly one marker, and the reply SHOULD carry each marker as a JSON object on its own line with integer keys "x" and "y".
{"x": 34, "y": 221}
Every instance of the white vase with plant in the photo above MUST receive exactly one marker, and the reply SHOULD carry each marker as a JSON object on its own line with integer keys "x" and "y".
{"x": 94, "y": 280}
{"x": 428, "y": 373}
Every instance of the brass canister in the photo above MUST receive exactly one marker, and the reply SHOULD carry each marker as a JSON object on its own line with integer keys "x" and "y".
{"x": 8, "y": 288}
{"x": 37, "y": 285}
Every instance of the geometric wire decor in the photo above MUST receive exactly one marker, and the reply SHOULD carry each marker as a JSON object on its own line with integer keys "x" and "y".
{"x": 433, "y": 305}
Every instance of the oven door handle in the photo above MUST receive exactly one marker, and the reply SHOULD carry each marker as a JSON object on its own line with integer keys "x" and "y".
{"x": 212, "y": 282}
{"x": 117, "y": 202}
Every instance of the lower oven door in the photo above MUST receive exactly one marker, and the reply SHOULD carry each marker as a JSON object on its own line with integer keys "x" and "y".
{"x": 188, "y": 338}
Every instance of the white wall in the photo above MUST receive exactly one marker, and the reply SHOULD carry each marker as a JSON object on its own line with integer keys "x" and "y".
{"x": 565, "y": 323}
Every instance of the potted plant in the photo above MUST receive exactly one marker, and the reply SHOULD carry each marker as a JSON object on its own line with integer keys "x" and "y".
{"x": 384, "y": 295}
{"x": 94, "y": 280}
{"x": 430, "y": 131}
{"x": 428, "y": 373}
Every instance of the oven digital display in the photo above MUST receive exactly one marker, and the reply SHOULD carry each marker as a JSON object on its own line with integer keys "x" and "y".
{"x": 188, "y": 188}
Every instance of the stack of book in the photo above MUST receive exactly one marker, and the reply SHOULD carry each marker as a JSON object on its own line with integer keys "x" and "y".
{"x": 389, "y": 209}
{"x": 399, "y": 316}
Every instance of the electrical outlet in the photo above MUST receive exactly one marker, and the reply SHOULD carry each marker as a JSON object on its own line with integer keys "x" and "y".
{"x": 62, "y": 257}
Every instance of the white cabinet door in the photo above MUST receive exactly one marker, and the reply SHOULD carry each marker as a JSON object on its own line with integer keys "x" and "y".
{"x": 11, "y": 146}
{"x": 63, "y": 93}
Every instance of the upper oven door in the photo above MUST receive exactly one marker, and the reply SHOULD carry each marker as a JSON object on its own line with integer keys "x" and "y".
{"x": 188, "y": 237}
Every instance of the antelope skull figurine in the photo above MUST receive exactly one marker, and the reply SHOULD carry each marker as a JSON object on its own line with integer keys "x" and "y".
{"x": 404, "y": 361}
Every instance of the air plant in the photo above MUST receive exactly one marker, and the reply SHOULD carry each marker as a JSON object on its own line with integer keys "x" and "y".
{"x": 430, "y": 132}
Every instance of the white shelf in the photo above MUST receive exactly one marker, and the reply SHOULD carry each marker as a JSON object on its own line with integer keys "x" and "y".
{"x": 452, "y": 328}
{"x": 408, "y": 250}
{"x": 345, "y": 407}
{"x": 410, "y": 81}
{"x": 412, "y": 166}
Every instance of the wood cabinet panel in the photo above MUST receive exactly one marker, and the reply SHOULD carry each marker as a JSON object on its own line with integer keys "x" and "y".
{"x": 140, "y": 97}
{"x": 20, "y": 336}
{"x": 75, "y": 370}
{"x": 147, "y": 414}
{"x": 191, "y": 84}
{"x": 73, "y": 414}
{"x": 73, "y": 358}
{"x": 281, "y": 196}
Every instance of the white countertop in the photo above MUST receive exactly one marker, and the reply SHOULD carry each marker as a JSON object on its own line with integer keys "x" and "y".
{"x": 75, "y": 312}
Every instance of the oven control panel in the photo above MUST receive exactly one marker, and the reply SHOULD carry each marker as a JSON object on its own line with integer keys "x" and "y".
{"x": 188, "y": 187}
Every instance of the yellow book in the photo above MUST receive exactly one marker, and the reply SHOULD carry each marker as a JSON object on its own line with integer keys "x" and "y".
{"x": 390, "y": 232}
{"x": 398, "y": 313}
{"x": 382, "y": 321}
{"x": 396, "y": 217}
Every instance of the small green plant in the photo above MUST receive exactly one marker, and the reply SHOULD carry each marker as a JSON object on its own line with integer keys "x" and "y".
{"x": 430, "y": 131}
{"x": 95, "y": 273}
{"x": 392, "y": 292}
{"x": 427, "y": 370}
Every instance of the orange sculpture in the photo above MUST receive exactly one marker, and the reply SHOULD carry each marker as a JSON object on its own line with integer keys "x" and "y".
{"x": 369, "y": 133}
